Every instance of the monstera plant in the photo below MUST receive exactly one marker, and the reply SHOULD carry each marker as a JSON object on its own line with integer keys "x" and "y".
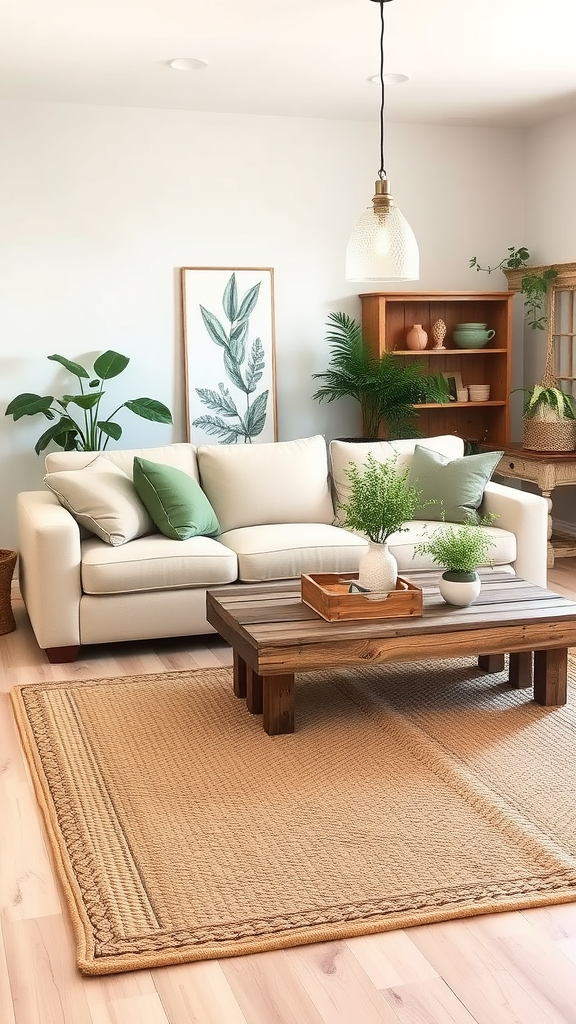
{"x": 77, "y": 423}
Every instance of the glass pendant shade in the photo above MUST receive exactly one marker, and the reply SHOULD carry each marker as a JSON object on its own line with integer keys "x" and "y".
{"x": 382, "y": 247}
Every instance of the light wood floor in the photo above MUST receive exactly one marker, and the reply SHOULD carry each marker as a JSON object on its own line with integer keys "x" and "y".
{"x": 513, "y": 968}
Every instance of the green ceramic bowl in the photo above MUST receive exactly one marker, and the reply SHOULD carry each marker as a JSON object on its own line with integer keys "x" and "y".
{"x": 472, "y": 337}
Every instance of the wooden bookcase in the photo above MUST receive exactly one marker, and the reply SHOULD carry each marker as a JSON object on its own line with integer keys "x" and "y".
{"x": 388, "y": 316}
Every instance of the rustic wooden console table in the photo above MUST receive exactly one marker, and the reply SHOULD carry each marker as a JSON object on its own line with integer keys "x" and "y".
{"x": 547, "y": 470}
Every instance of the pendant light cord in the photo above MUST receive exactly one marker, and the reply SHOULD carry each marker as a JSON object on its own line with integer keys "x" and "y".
{"x": 382, "y": 172}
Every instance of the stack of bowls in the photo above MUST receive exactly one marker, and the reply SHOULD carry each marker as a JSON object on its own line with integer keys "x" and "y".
{"x": 479, "y": 392}
{"x": 472, "y": 335}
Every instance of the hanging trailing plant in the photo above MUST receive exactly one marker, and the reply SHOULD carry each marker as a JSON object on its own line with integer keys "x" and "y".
{"x": 534, "y": 287}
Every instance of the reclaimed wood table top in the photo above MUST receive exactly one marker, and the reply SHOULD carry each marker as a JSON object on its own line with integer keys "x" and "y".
{"x": 274, "y": 632}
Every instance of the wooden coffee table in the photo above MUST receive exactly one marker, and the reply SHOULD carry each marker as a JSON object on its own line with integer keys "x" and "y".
{"x": 273, "y": 635}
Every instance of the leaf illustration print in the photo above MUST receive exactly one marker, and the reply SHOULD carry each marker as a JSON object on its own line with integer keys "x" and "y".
{"x": 230, "y": 424}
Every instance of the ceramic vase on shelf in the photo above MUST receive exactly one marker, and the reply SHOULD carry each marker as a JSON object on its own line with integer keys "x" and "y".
{"x": 416, "y": 338}
{"x": 378, "y": 569}
{"x": 459, "y": 588}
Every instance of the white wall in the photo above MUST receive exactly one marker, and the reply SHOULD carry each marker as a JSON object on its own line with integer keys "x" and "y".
{"x": 99, "y": 207}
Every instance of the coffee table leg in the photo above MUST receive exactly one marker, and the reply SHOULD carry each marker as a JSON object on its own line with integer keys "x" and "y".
{"x": 491, "y": 662}
{"x": 551, "y": 677}
{"x": 520, "y": 670}
{"x": 253, "y": 691}
{"x": 239, "y": 675}
{"x": 278, "y": 704}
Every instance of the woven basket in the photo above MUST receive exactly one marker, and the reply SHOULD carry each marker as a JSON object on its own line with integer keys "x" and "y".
{"x": 7, "y": 563}
{"x": 549, "y": 434}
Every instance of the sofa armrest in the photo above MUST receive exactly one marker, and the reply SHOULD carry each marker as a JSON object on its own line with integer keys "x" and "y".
{"x": 49, "y": 568}
{"x": 525, "y": 515}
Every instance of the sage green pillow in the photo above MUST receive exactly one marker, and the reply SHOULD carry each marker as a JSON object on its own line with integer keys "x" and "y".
{"x": 176, "y": 504}
{"x": 455, "y": 487}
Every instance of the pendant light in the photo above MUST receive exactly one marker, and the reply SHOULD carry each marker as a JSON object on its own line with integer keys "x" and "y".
{"x": 382, "y": 246}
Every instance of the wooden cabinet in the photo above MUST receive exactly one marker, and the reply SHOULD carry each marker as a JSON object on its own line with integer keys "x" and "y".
{"x": 388, "y": 316}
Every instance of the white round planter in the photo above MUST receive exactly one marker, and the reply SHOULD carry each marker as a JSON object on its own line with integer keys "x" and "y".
{"x": 378, "y": 569}
{"x": 459, "y": 588}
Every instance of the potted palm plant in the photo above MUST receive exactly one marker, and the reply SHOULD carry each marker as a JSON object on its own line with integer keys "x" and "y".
{"x": 386, "y": 388}
{"x": 459, "y": 549}
{"x": 381, "y": 501}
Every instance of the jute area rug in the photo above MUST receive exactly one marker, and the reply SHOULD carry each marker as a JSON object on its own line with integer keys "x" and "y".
{"x": 181, "y": 831}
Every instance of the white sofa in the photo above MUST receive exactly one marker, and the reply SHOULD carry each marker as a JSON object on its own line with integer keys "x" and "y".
{"x": 277, "y": 506}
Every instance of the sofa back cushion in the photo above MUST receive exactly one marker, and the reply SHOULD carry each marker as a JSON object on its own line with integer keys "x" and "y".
{"x": 263, "y": 484}
{"x": 181, "y": 456}
{"x": 342, "y": 453}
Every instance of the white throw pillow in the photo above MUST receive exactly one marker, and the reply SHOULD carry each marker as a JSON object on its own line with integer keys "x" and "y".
{"x": 103, "y": 499}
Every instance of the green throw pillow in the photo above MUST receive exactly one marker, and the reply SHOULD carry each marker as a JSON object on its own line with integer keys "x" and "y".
{"x": 175, "y": 502}
{"x": 455, "y": 487}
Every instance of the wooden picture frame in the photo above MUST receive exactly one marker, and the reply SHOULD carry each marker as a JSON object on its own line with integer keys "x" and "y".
{"x": 229, "y": 354}
{"x": 454, "y": 384}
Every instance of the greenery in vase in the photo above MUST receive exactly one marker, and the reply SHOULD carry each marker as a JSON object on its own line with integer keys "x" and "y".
{"x": 387, "y": 387}
{"x": 86, "y": 430}
{"x": 381, "y": 500}
{"x": 459, "y": 548}
{"x": 534, "y": 287}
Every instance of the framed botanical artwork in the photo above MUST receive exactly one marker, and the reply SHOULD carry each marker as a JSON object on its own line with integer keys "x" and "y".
{"x": 229, "y": 354}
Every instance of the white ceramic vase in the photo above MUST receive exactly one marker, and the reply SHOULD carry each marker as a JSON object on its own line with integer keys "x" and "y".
{"x": 378, "y": 569}
{"x": 459, "y": 588}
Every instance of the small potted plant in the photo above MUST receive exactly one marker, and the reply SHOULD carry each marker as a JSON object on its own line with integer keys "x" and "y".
{"x": 381, "y": 501}
{"x": 77, "y": 423}
{"x": 459, "y": 549}
{"x": 387, "y": 388}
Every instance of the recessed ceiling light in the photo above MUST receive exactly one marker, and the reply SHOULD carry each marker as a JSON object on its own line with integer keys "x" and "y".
{"x": 391, "y": 79}
{"x": 188, "y": 64}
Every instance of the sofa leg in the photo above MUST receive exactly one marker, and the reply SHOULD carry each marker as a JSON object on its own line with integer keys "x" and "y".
{"x": 57, "y": 655}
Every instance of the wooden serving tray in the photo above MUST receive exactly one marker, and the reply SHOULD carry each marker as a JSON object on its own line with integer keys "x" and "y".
{"x": 327, "y": 594}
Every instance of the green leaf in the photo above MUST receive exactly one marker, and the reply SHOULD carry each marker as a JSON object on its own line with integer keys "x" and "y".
{"x": 149, "y": 409}
{"x": 65, "y": 434}
{"x": 74, "y": 368}
{"x": 113, "y": 430}
{"x": 255, "y": 367}
{"x": 215, "y": 426}
{"x": 214, "y": 328}
{"x": 230, "y": 300}
{"x": 233, "y": 370}
{"x": 219, "y": 402}
{"x": 255, "y": 417}
{"x": 84, "y": 401}
{"x": 248, "y": 302}
{"x": 237, "y": 345}
{"x": 29, "y": 405}
{"x": 110, "y": 364}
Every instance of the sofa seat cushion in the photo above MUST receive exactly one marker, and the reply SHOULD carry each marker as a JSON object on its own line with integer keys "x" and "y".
{"x": 401, "y": 544}
{"x": 284, "y": 551}
{"x": 155, "y": 563}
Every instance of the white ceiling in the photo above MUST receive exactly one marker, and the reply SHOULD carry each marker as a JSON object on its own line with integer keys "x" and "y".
{"x": 472, "y": 62}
